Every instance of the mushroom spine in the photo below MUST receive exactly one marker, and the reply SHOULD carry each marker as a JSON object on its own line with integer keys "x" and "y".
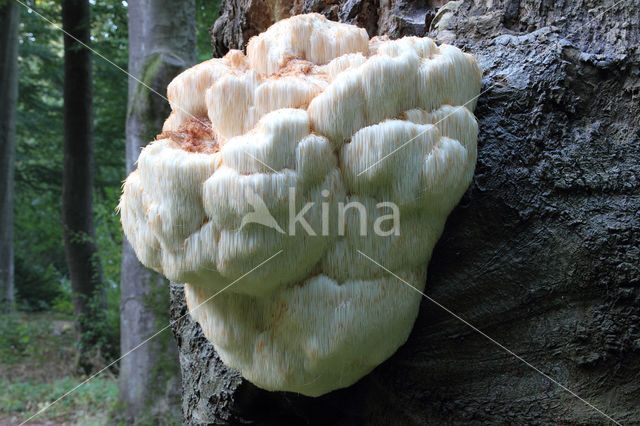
{"x": 317, "y": 118}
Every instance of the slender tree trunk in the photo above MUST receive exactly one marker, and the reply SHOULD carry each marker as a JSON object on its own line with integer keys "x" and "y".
{"x": 9, "y": 14}
{"x": 77, "y": 179}
{"x": 161, "y": 44}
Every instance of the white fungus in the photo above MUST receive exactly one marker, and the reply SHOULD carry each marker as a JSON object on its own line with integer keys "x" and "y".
{"x": 318, "y": 119}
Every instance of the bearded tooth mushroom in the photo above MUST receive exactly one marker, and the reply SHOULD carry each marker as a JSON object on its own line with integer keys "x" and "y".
{"x": 351, "y": 146}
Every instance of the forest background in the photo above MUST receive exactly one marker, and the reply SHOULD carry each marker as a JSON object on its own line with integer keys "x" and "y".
{"x": 42, "y": 355}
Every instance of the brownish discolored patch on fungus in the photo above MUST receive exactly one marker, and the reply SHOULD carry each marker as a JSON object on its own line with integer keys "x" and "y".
{"x": 194, "y": 135}
{"x": 295, "y": 68}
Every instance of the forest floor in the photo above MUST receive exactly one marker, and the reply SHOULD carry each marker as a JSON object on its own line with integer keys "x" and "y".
{"x": 38, "y": 364}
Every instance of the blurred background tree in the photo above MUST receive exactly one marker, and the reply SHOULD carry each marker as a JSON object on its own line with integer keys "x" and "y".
{"x": 35, "y": 342}
{"x": 9, "y": 15}
{"x": 162, "y": 43}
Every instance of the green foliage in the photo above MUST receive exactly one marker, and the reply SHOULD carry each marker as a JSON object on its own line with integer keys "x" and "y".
{"x": 62, "y": 302}
{"x": 41, "y": 271}
{"x": 15, "y": 337}
{"x": 40, "y": 261}
{"x": 37, "y": 350}
{"x": 206, "y": 14}
{"x": 89, "y": 405}
{"x": 32, "y": 338}
{"x": 34, "y": 294}
{"x": 101, "y": 339}
{"x": 37, "y": 365}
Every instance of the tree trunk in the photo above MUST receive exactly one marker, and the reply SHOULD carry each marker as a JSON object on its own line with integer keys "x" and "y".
{"x": 9, "y": 15}
{"x": 77, "y": 176}
{"x": 162, "y": 43}
{"x": 541, "y": 254}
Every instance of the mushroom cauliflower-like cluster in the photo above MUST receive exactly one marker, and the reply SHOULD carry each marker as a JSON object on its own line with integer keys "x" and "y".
{"x": 330, "y": 133}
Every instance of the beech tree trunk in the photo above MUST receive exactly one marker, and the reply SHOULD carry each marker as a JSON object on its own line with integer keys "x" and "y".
{"x": 541, "y": 254}
{"x": 77, "y": 176}
{"x": 162, "y": 43}
{"x": 9, "y": 14}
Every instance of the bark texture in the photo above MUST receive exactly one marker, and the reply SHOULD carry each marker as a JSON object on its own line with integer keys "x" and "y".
{"x": 162, "y": 43}
{"x": 77, "y": 177}
{"x": 542, "y": 253}
{"x": 9, "y": 15}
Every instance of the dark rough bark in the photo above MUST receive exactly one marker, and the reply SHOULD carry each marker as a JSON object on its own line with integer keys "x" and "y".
{"x": 242, "y": 19}
{"x": 77, "y": 176}
{"x": 542, "y": 253}
{"x": 161, "y": 45}
{"x": 9, "y": 15}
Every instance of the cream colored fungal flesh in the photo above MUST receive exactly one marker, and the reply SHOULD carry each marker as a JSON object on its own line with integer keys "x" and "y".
{"x": 317, "y": 112}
